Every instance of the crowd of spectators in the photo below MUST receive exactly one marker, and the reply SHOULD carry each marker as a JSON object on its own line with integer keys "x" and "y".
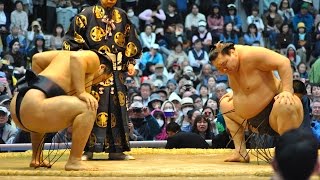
{"x": 174, "y": 80}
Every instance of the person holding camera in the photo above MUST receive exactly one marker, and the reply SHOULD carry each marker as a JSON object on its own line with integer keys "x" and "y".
{"x": 32, "y": 35}
{"x": 142, "y": 125}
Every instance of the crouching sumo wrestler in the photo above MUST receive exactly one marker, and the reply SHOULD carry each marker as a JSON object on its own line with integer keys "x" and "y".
{"x": 57, "y": 95}
{"x": 258, "y": 101}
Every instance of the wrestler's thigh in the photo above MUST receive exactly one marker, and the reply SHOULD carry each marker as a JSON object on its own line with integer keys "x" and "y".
{"x": 53, "y": 114}
{"x": 13, "y": 113}
{"x": 285, "y": 116}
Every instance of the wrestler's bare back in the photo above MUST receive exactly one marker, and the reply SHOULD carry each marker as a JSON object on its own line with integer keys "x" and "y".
{"x": 253, "y": 88}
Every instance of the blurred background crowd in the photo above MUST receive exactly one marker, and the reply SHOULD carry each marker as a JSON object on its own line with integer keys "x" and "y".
{"x": 174, "y": 80}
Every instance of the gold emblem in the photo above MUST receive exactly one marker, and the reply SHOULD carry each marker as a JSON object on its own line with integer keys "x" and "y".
{"x": 81, "y": 21}
{"x": 122, "y": 98}
{"x": 78, "y": 38}
{"x": 97, "y": 33}
{"x": 116, "y": 16}
{"x": 98, "y": 11}
{"x": 96, "y": 95}
{"x": 104, "y": 49}
{"x": 102, "y": 119}
{"x": 131, "y": 50}
{"x": 92, "y": 140}
{"x": 119, "y": 39}
{"x": 66, "y": 45}
{"x": 113, "y": 120}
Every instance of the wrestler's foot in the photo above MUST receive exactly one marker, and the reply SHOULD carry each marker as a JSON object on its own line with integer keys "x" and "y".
{"x": 37, "y": 164}
{"x": 120, "y": 156}
{"x": 79, "y": 166}
{"x": 87, "y": 156}
{"x": 238, "y": 158}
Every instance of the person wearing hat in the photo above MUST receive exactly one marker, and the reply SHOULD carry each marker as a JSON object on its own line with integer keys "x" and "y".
{"x": 33, "y": 34}
{"x": 203, "y": 34}
{"x": 142, "y": 125}
{"x": 303, "y": 16}
{"x": 19, "y": 59}
{"x": 183, "y": 121}
{"x": 153, "y": 56}
{"x": 159, "y": 74}
{"x": 155, "y": 102}
{"x": 233, "y": 17}
{"x": 7, "y": 132}
{"x": 302, "y": 41}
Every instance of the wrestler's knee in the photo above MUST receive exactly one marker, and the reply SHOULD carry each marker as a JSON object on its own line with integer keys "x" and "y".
{"x": 226, "y": 103}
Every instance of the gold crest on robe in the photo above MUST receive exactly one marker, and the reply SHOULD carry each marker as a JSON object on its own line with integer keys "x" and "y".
{"x": 66, "y": 45}
{"x": 104, "y": 49}
{"x": 116, "y": 16}
{"x": 113, "y": 120}
{"x": 119, "y": 39}
{"x": 81, "y": 21}
{"x": 78, "y": 38}
{"x": 122, "y": 98}
{"x": 98, "y": 11}
{"x": 97, "y": 33}
{"x": 102, "y": 119}
{"x": 131, "y": 50}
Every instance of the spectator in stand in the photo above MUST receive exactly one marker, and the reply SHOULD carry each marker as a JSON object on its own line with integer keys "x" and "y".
{"x": 284, "y": 38}
{"x": 272, "y": 22}
{"x": 176, "y": 56}
{"x": 224, "y": 5}
{"x": 302, "y": 69}
{"x": 204, "y": 35}
{"x": 202, "y": 126}
{"x": 197, "y": 56}
{"x": 314, "y": 73}
{"x": 234, "y": 18}
{"x": 192, "y": 20}
{"x": 145, "y": 90}
{"x": 193, "y": 114}
{"x": 197, "y": 101}
{"x": 143, "y": 126}
{"x": 172, "y": 16}
{"x": 57, "y": 37}
{"x": 229, "y": 35}
{"x": 19, "y": 18}
{"x": 152, "y": 56}
{"x": 38, "y": 48}
{"x": 286, "y": 12}
{"x": 154, "y": 16}
{"x": 315, "y": 91}
{"x": 178, "y": 139}
{"x": 51, "y": 15}
{"x": 254, "y": 18}
{"x": 161, "y": 119}
{"x": 204, "y": 94}
{"x": 204, "y": 75}
{"x": 148, "y": 38}
{"x": 221, "y": 89}
{"x": 31, "y": 35}
{"x": 253, "y": 35}
{"x": 133, "y": 18}
{"x": 316, "y": 37}
{"x": 7, "y": 132}
{"x": 211, "y": 85}
{"x": 4, "y": 25}
{"x": 159, "y": 75}
{"x": 213, "y": 104}
{"x": 215, "y": 23}
{"x": 184, "y": 121}
{"x": 293, "y": 56}
{"x": 303, "y": 42}
{"x": 19, "y": 59}
{"x": 303, "y": 16}
{"x": 15, "y": 35}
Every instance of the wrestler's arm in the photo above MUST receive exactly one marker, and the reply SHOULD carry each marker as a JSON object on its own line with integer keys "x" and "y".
{"x": 40, "y": 61}
{"x": 83, "y": 64}
{"x": 268, "y": 60}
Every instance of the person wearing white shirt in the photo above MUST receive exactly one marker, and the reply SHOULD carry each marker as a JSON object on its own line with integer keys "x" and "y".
{"x": 148, "y": 38}
{"x": 19, "y": 18}
{"x": 255, "y": 19}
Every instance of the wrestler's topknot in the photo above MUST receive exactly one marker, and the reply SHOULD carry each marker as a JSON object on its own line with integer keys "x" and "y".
{"x": 220, "y": 48}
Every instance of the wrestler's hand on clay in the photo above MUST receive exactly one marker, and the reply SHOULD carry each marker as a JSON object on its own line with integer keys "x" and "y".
{"x": 131, "y": 70}
{"x": 92, "y": 103}
{"x": 285, "y": 97}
